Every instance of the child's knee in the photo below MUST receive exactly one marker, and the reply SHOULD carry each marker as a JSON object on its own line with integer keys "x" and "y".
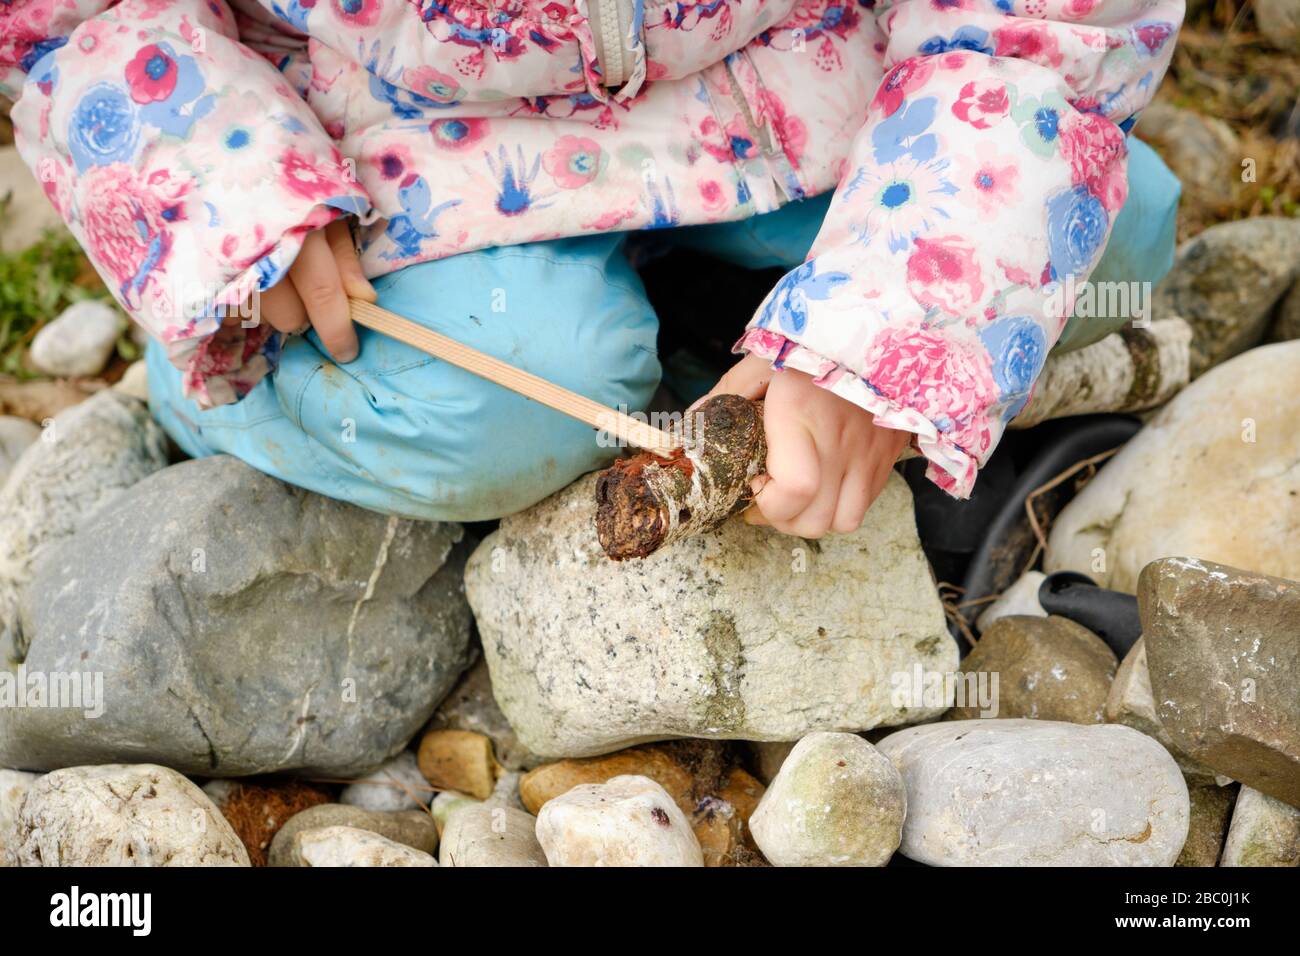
{"x": 517, "y": 452}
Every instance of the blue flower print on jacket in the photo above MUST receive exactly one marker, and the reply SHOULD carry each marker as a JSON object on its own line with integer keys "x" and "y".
{"x": 904, "y": 133}
{"x": 104, "y": 128}
{"x": 515, "y": 177}
{"x": 1018, "y": 348}
{"x": 1076, "y": 228}
{"x": 418, "y": 220}
{"x": 967, "y": 38}
{"x": 788, "y": 302}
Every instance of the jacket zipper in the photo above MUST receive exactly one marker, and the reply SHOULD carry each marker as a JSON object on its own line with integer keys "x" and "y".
{"x": 610, "y": 20}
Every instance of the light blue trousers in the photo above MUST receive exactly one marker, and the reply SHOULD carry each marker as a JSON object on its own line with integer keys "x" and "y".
{"x": 399, "y": 432}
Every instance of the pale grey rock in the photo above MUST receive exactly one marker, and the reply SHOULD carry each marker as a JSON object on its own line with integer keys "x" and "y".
{"x": 1225, "y": 282}
{"x": 1038, "y": 793}
{"x": 505, "y": 792}
{"x": 1202, "y": 151}
{"x": 739, "y": 634}
{"x": 14, "y": 785}
{"x": 134, "y": 381}
{"x": 242, "y": 626}
{"x": 397, "y": 785}
{"x": 339, "y": 846}
{"x": 79, "y": 342}
{"x": 16, "y": 436}
{"x": 1019, "y": 600}
{"x": 1264, "y": 832}
{"x": 1227, "y": 491}
{"x": 837, "y": 801}
{"x": 86, "y": 456}
{"x": 122, "y": 815}
{"x": 625, "y": 821}
{"x": 411, "y": 828}
{"x": 490, "y": 836}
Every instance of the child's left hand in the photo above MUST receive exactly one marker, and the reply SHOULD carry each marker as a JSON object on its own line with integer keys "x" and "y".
{"x": 827, "y": 459}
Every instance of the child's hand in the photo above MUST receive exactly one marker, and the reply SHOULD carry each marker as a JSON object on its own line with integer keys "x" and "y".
{"x": 316, "y": 290}
{"x": 827, "y": 459}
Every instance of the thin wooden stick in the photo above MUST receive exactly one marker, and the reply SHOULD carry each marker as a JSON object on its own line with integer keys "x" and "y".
{"x": 623, "y": 427}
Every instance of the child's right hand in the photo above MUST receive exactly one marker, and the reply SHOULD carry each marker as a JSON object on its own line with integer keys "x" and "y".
{"x": 315, "y": 292}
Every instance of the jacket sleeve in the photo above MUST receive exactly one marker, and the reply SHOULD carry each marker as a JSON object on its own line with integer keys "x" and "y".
{"x": 977, "y": 198}
{"x": 187, "y": 167}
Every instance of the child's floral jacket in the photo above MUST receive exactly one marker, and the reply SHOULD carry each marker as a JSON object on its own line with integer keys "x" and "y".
{"x": 976, "y": 149}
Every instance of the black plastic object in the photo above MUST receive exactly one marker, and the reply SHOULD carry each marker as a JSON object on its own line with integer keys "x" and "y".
{"x": 1009, "y": 540}
{"x": 1111, "y": 615}
{"x": 945, "y": 523}
{"x": 950, "y": 528}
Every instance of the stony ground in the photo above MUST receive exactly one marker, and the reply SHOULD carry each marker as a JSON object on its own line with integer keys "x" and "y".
{"x": 203, "y": 666}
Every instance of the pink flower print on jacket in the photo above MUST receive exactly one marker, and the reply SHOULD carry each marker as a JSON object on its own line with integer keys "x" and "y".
{"x": 932, "y": 368}
{"x": 912, "y": 74}
{"x": 1095, "y": 148}
{"x": 942, "y": 274}
{"x": 987, "y": 178}
{"x": 151, "y": 75}
{"x": 129, "y": 222}
{"x": 573, "y": 162}
{"x": 982, "y": 103}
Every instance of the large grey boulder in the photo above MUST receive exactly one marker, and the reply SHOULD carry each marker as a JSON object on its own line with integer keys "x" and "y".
{"x": 1212, "y": 475}
{"x": 1038, "y": 793}
{"x": 1225, "y": 282}
{"x": 1223, "y": 650}
{"x": 86, "y": 456}
{"x": 241, "y": 626}
{"x": 741, "y": 634}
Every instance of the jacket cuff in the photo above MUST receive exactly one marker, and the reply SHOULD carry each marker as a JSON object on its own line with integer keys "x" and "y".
{"x": 951, "y": 467}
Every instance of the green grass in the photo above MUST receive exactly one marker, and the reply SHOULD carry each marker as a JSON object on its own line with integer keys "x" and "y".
{"x": 37, "y": 284}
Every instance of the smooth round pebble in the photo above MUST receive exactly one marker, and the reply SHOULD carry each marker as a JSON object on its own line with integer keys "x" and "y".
{"x": 626, "y": 821}
{"x": 79, "y": 342}
{"x": 1038, "y": 793}
{"x": 837, "y": 801}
